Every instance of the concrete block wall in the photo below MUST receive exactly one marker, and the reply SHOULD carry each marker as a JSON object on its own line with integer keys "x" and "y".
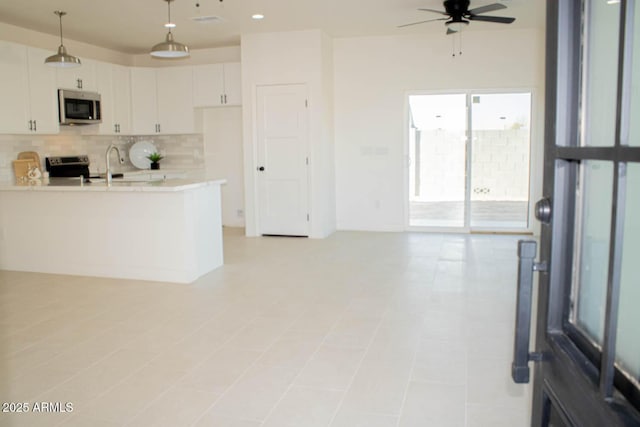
{"x": 500, "y": 166}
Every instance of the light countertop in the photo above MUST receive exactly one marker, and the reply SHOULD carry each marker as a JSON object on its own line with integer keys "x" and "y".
{"x": 118, "y": 185}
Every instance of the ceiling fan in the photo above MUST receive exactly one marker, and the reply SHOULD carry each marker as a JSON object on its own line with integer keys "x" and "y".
{"x": 458, "y": 15}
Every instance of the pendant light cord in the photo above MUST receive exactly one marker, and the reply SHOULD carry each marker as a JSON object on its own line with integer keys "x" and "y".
{"x": 169, "y": 8}
{"x": 60, "y": 14}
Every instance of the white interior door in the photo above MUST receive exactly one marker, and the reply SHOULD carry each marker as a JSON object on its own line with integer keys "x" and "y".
{"x": 282, "y": 168}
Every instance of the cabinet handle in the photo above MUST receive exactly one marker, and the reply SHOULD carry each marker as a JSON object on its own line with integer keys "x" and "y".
{"x": 35, "y": 125}
{"x": 79, "y": 83}
{"x": 30, "y": 124}
{"x": 221, "y": 100}
{"x": 118, "y": 127}
{"x": 225, "y": 98}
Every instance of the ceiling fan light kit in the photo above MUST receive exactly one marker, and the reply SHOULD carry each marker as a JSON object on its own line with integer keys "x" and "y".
{"x": 62, "y": 59}
{"x": 455, "y": 26}
{"x": 169, "y": 48}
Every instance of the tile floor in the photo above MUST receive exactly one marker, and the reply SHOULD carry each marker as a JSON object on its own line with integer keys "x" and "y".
{"x": 359, "y": 329}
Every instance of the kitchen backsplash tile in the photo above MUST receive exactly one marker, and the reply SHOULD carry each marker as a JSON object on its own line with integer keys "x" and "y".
{"x": 180, "y": 151}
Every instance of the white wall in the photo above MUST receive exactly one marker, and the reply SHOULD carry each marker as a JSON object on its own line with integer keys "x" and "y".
{"x": 301, "y": 57}
{"x": 222, "y": 133}
{"x": 373, "y": 76}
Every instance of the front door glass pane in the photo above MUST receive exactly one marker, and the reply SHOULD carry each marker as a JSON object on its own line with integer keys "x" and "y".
{"x": 634, "y": 126}
{"x": 600, "y": 78}
{"x": 500, "y": 125}
{"x": 628, "y": 342}
{"x": 593, "y": 225}
{"x": 437, "y": 148}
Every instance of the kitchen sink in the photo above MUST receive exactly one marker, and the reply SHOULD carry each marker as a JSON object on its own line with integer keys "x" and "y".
{"x": 136, "y": 179}
{"x": 118, "y": 177}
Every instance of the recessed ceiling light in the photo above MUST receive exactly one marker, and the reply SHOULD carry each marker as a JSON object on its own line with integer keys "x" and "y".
{"x": 169, "y": 25}
{"x": 613, "y": 1}
{"x": 257, "y": 16}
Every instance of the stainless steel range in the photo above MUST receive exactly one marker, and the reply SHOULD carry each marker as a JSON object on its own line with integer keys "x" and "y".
{"x": 67, "y": 166}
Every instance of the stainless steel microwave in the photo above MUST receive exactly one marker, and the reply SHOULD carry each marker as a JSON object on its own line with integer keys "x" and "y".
{"x": 79, "y": 107}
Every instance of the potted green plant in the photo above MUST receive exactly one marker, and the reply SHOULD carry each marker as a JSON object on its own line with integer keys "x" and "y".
{"x": 155, "y": 159}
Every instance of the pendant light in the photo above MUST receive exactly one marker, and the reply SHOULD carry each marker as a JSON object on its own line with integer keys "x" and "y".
{"x": 169, "y": 48}
{"x": 62, "y": 58}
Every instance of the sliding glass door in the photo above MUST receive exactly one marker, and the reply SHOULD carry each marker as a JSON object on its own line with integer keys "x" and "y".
{"x": 469, "y": 161}
{"x": 438, "y": 150}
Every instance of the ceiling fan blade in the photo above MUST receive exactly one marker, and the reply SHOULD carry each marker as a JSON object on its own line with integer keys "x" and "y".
{"x": 434, "y": 11}
{"x": 450, "y": 31}
{"x": 487, "y": 8}
{"x": 422, "y": 22}
{"x": 496, "y": 19}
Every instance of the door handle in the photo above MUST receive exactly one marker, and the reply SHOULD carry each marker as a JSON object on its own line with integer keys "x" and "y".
{"x": 527, "y": 250}
{"x": 261, "y": 168}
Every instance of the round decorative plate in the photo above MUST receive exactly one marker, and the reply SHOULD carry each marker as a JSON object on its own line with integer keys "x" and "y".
{"x": 138, "y": 154}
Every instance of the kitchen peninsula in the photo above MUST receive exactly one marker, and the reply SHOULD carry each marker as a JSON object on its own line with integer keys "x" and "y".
{"x": 169, "y": 230}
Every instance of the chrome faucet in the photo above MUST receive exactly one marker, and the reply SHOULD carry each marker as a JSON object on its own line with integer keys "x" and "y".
{"x": 110, "y": 148}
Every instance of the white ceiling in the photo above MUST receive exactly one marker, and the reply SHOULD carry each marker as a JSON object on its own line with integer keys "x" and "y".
{"x": 133, "y": 26}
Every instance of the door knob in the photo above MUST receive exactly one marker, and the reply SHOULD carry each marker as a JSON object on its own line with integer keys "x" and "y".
{"x": 261, "y": 168}
{"x": 543, "y": 210}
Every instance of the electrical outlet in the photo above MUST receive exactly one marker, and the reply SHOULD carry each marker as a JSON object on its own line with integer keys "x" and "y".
{"x": 240, "y": 213}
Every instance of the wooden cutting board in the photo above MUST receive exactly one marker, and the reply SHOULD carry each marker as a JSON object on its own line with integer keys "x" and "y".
{"x": 21, "y": 168}
{"x": 27, "y": 155}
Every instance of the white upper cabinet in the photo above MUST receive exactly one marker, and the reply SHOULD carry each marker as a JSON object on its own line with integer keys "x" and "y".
{"x": 14, "y": 86}
{"x": 114, "y": 86}
{"x": 217, "y": 85}
{"x": 29, "y": 98}
{"x": 175, "y": 100}
{"x": 208, "y": 85}
{"x": 78, "y": 78}
{"x": 134, "y": 100}
{"x": 162, "y": 100}
{"x": 122, "y": 98}
{"x": 43, "y": 95}
{"x": 233, "y": 83}
{"x": 144, "y": 101}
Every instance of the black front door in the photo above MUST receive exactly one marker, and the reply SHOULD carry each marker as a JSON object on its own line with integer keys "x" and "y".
{"x": 587, "y": 345}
